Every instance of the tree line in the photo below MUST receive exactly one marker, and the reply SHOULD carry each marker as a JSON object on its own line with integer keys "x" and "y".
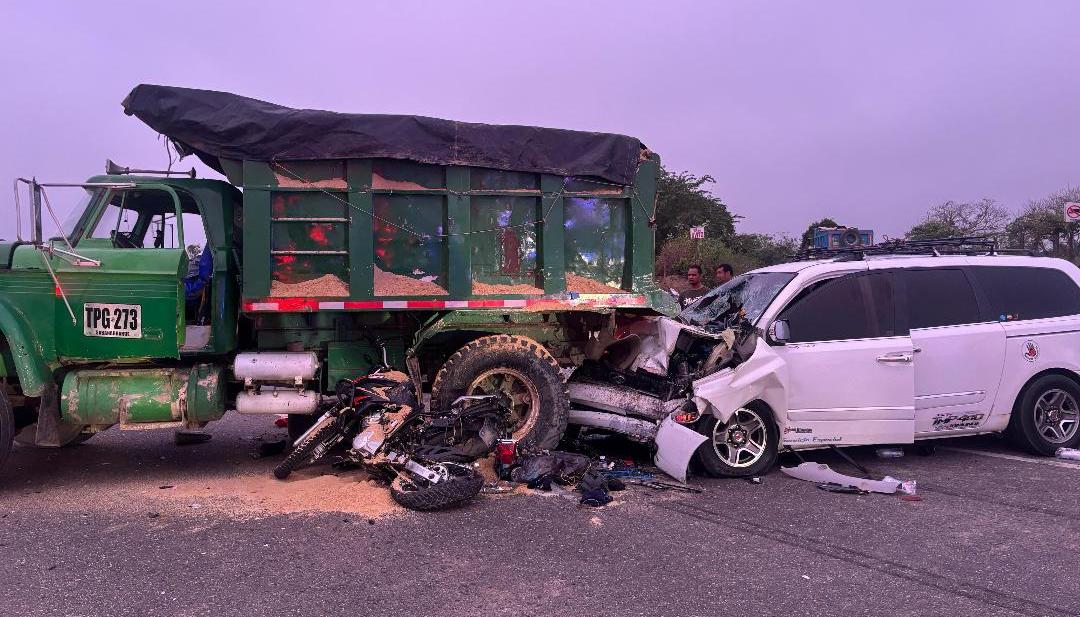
{"x": 1039, "y": 227}
{"x": 684, "y": 201}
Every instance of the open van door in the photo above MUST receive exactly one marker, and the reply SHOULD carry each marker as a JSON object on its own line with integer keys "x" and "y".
{"x": 850, "y": 365}
{"x": 131, "y": 305}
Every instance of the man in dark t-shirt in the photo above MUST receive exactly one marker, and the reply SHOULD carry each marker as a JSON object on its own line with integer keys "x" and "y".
{"x": 696, "y": 290}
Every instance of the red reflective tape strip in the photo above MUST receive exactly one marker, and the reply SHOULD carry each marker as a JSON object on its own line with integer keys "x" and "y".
{"x": 425, "y": 304}
{"x": 311, "y": 304}
{"x": 486, "y": 304}
{"x": 297, "y": 304}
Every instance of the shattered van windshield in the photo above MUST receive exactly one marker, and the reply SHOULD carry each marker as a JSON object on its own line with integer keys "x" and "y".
{"x": 752, "y": 292}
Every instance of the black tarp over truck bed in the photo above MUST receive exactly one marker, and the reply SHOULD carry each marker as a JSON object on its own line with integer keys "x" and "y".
{"x": 217, "y": 125}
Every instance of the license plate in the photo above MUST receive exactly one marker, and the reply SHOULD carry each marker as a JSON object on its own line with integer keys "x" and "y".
{"x": 112, "y": 320}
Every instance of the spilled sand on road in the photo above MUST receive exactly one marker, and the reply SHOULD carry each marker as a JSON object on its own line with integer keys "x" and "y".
{"x": 305, "y": 491}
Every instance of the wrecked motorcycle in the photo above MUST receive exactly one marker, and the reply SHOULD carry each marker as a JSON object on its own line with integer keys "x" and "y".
{"x": 375, "y": 422}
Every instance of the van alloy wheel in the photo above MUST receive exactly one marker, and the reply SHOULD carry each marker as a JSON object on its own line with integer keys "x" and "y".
{"x": 1057, "y": 416}
{"x": 741, "y": 441}
{"x": 522, "y": 394}
{"x": 1046, "y": 415}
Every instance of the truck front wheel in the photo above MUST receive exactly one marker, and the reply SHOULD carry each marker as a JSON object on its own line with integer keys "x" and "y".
{"x": 518, "y": 368}
{"x": 7, "y": 427}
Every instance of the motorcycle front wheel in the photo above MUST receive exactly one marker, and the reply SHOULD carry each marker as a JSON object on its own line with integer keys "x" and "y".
{"x": 459, "y": 483}
{"x": 302, "y": 453}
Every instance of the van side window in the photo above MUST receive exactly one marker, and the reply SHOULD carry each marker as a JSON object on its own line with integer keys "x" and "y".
{"x": 939, "y": 297}
{"x": 881, "y": 310}
{"x": 836, "y": 310}
{"x": 1027, "y": 293}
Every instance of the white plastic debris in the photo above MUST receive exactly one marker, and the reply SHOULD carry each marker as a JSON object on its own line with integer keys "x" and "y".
{"x": 889, "y": 452}
{"x": 907, "y": 487}
{"x": 1071, "y": 454}
{"x": 822, "y": 473}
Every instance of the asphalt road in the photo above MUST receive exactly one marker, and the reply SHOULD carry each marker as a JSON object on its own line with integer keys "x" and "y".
{"x": 89, "y": 531}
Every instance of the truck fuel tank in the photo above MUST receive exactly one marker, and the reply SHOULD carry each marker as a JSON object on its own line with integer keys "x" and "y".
{"x": 271, "y": 400}
{"x": 280, "y": 366}
{"x": 143, "y": 395}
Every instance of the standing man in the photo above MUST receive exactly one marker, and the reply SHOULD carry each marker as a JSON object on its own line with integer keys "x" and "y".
{"x": 724, "y": 273}
{"x": 696, "y": 290}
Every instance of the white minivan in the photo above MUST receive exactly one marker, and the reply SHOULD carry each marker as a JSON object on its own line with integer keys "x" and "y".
{"x": 890, "y": 349}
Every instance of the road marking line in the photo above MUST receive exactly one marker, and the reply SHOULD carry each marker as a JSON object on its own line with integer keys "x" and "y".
{"x": 1013, "y": 457}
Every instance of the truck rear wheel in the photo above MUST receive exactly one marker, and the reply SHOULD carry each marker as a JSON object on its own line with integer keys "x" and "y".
{"x": 519, "y": 368}
{"x": 7, "y": 427}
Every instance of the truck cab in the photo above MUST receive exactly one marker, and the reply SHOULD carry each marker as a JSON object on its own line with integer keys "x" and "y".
{"x": 132, "y": 296}
{"x": 165, "y": 283}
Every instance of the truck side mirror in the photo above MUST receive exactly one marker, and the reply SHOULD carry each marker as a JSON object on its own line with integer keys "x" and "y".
{"x": 779, "y": 331}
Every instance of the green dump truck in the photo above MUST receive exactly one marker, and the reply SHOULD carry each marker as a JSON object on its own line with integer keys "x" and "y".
{"x": 480, "y": 258}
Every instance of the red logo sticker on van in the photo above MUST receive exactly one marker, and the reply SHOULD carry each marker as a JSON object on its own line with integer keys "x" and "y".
{"x": 1030, "y": 350}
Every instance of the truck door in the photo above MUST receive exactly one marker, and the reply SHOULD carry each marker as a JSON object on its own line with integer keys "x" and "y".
{"x": 131, "y": 305}
{"x": 959, "y": 356}
{"x": 850, "y": 368}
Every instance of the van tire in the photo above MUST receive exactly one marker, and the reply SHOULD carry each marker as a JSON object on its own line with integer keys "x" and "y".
{"x": 756, "y": 417}
{"x": 7, "y": 427}
{"x": 516, "y": 363}
{"x": 1028, "y": 415}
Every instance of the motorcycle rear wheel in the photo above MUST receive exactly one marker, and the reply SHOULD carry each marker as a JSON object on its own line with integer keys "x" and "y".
{"x": 461, "y": 483}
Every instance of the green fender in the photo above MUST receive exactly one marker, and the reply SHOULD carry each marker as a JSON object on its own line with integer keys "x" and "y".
{"x": 26, "y": 351}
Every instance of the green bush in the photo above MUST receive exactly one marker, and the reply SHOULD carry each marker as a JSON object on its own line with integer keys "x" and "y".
{"x": 680, "y": 253}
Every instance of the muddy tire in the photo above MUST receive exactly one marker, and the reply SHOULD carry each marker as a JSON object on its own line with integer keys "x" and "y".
{"x": 518, "y": 367}
{"x": 302, "y": 452}
{"x": 746, "y": 445}
{"x": 7, "y": 428}
{"x": 1047, "y": 416}
{"x": 463, "y": 484}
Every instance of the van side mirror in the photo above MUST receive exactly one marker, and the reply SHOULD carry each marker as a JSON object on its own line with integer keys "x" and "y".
{"x": 779, "y": 331}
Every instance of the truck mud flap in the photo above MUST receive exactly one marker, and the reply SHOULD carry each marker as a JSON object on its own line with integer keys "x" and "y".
{"x": 48, "y": 419}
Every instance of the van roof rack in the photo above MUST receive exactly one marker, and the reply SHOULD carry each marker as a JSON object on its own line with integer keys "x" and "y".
{"x": 962, "y": 245}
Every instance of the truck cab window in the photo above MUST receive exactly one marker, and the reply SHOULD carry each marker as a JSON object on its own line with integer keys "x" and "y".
{"x": 115, "y": 221}
{"x": 138, "y": 219}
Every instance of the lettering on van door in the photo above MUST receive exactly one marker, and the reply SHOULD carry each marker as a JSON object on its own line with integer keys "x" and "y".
{"x": 112, "y": 320}
{"x": 956, "y": 422}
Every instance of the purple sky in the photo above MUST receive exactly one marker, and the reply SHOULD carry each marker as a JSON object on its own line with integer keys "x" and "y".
{"x": 868, "y": 112}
